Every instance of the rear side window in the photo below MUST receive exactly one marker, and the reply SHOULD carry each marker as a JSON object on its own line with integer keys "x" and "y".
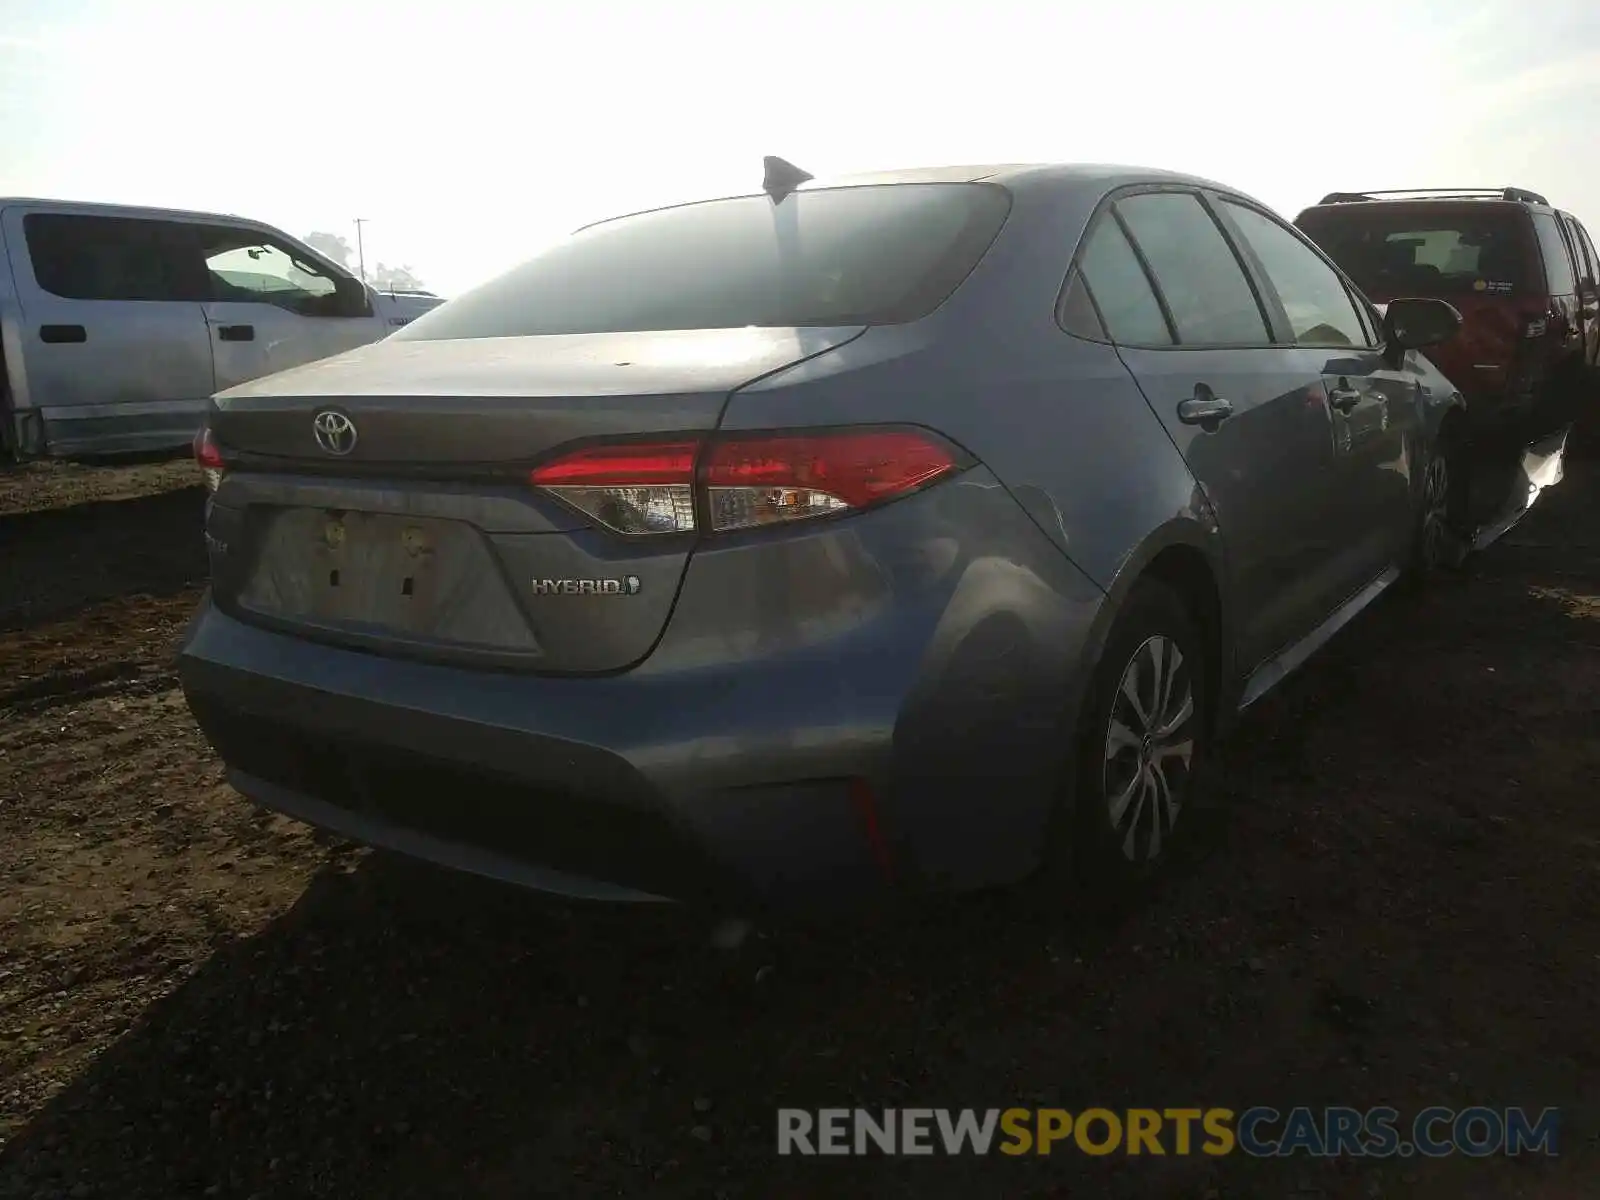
{"x": 1558, "y": 273}
{"x": 1582, "y": 251}
{"x": 1077, "y": 314}
{"x": 1320, "y": 310}
{"x": 1429, "y": 250}
{"x": 109, "y": 258}
{"x": 1200, "y": 278}
{"x": 1594, "y": 258}
{"x": 1121, "y": 289}
{"x": 873, "y": 255}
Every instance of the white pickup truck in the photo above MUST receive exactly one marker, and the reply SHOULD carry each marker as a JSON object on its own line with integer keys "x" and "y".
{"x": 118, "y": 324}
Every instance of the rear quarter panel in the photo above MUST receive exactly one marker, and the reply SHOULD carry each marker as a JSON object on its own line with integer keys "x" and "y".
{"x": 1059, "y": 421}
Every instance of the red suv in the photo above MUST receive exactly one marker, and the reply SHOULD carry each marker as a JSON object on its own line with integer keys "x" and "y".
{"x": 1523, "y": 274}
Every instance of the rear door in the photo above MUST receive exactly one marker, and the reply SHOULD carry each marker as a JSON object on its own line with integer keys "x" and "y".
{"x": 1588, "y": 287}
{"x": 1373, "y": 405}
{"x": 1249, "y": 417}
{"x": 112, "y": 351}
{"x": 271, "y": 306}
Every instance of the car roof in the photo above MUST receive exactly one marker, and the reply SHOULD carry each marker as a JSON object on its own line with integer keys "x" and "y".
{"x": 1108, "y": 175}
{"x": 94, "y": 208}
{"x": 1042, "y": 177}
{"x": 1503, "y": 199}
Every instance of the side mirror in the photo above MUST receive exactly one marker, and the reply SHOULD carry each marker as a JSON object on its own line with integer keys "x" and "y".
{"x": 1415, "y": 323}
{"x": 354, "y": 299}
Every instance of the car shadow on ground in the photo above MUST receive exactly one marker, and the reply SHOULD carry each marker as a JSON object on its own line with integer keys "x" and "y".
{"x": 1391, "y": 906}
{"x": 60, "y": 559}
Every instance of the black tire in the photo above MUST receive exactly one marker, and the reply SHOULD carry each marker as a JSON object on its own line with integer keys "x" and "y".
{"x": 1114, "y": 853}
{"x": 1441, "y": 537}
{"x": 8, "y": 451}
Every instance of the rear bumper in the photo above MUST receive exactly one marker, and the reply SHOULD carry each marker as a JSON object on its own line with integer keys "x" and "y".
{"x": 882, "y": 740}
{"x": 610, "y": 789}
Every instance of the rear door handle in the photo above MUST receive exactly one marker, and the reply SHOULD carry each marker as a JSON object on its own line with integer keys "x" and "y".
{"x": 1204, "y": 410}
{"x": 1344, "y": 398}
{"x": 63, "y": 335}
{"x": 236, "y": 333}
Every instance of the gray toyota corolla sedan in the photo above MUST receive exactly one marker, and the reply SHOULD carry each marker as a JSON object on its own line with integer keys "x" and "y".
{"x": 838, "y": 540}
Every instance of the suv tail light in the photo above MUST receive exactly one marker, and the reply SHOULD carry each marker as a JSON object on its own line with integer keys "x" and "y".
{"x": 208, "y": 456}
{"x": 743, "y": 481}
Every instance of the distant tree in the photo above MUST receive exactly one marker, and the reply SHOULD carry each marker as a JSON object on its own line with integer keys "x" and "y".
{"x": 400, "y": 279}
{"x": 331, "y": 244}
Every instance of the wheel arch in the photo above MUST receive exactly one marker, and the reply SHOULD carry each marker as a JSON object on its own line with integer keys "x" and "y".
{"x": 1187, "y": 557}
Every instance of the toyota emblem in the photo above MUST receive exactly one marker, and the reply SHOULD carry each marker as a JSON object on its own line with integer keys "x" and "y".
{"x": 335, "y": 432}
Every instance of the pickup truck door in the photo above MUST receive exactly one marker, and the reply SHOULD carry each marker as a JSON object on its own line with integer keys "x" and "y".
{"x": 274, "y": 306}
{"x": 113, "y": 353}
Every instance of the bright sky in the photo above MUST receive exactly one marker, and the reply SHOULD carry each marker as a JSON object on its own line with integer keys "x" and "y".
{"x": 472, "y": 133}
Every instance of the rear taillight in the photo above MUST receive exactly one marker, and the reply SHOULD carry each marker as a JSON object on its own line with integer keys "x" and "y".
{"x": 740, "y": 482}
{"x": 209, "y": 458}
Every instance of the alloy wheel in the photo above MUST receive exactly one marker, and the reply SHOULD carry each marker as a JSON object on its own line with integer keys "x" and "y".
{"x": 1149, "y": 748}
{"x": 1436, "y": 535}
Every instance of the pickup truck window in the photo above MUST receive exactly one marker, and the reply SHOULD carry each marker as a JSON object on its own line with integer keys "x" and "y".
{"x": 107, "y": 258}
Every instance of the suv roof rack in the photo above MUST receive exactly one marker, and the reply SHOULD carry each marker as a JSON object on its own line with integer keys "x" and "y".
{"x": 1514, "y": 194}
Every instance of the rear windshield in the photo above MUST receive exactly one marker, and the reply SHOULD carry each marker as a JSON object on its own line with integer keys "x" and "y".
{"x": 1428, "y": 252}
{"x": 872, "y": 255}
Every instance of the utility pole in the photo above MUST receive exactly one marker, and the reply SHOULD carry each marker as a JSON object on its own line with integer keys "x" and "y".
{"x": 361, "y": 254}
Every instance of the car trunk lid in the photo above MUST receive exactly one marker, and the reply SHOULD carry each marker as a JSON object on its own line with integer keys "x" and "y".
{"x": 483, "y": 401}
{"x": 415, "y": 530}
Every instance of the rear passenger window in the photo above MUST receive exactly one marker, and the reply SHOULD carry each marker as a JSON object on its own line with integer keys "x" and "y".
{"x": 1582, "y": 249}
{"x": 1201, "y": 280}
{"x": 1588, "y": 245}
{"x": 1320, "y": 310}
{"x": 1557, "y": 262}
{"x": 107, "y": 258}
{"x": 1121, "y": 290}
{"x": 1077, "y": 314}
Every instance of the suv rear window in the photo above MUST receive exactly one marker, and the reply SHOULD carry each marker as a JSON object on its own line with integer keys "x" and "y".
{"x": 1427, "y": 250}
{"x": 872, "y": 255}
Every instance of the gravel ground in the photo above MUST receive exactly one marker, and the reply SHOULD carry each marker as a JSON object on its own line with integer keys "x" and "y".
{"x": 1396, "y": 904}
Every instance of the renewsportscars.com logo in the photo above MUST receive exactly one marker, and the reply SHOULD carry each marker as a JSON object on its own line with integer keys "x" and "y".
{"x": 1261, "y": 1132}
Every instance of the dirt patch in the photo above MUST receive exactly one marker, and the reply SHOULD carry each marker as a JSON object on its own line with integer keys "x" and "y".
{"x": 42, "y": 486}
{"x": 1398, "y": 906}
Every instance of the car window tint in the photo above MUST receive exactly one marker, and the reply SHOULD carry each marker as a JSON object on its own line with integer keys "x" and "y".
{"x": 1200, "y": 278}
{"x": 1320, "y": 310}
{"x": 1557, "y": 260}
{"x": 878, "y": 254}
{"x": 107, "y": 258}
{"x": 1128, "y": 306}
{"x": 1424, "y": 250}
{"x": 1594, "y": 259}
{"x": 1077, "y": 314}
{"x": 1583, "y": 252}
